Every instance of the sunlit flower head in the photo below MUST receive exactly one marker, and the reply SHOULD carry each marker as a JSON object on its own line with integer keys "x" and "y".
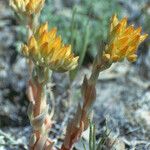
{"x": 46, "y": 49}
{"x": 27, "y": 7}
{"x": 123, "y": 41}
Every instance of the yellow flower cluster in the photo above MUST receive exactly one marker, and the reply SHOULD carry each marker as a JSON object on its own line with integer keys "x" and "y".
{"x": 27, "y": 7}
{"x": 123, "y": 41}
{"x": 46, "y": 49}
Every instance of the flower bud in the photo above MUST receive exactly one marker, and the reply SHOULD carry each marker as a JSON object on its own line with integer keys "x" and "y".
{"x": 46, "y": 49}
{"x": 123, "y": 41}
{"x": 27, "y": 7}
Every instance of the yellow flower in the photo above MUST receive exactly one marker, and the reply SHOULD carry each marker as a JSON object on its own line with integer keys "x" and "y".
{"x": 46, "y": 49}
{"x": 27, "y": 7}
{"x": 123, "y": 41}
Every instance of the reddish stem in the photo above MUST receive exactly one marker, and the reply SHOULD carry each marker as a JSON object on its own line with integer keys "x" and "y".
{"x": 38, "y": 99}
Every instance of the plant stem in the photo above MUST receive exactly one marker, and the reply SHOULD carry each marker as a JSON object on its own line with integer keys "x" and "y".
{"x": 37, "y": 107}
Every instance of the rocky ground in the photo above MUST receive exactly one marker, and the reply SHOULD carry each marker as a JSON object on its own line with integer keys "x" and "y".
{"x": 122, "y": 106}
